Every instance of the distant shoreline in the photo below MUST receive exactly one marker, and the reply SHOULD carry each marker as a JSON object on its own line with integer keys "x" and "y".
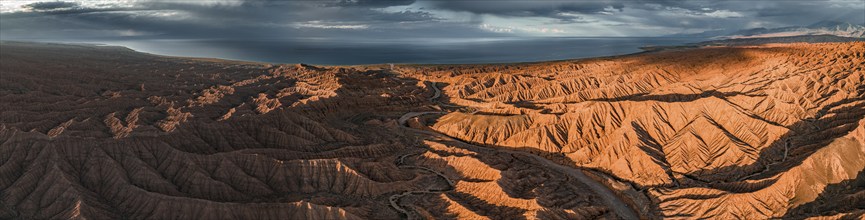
{"x": 642, "y": 50}
{"x": 345, "y": 53}
{"x": 757, "y": 41}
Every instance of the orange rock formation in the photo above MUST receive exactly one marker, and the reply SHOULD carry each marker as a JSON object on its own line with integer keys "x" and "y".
{"x": 754, "y": 132}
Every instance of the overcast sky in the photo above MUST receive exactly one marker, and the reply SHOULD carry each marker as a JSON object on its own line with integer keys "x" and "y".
{"x": 396, "y": 20}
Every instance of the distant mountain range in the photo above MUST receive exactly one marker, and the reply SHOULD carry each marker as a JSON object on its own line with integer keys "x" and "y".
{"x": 834, "y": 28}
{"x": 841, "y": 29}
{"x": 823, "y": 38}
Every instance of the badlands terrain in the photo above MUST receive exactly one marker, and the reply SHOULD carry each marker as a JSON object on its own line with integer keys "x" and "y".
{"x": 745, "y": 132}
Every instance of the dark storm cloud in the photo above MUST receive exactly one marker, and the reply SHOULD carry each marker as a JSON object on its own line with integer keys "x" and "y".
{"x": 238, "y": 20}
{"x": 374, "y": 3}
{"x": 375, "y": 31}
{"x": 540, "y": 8}
{"x": 45, "y": 6}
{"x": 673, "y": 13}
{"x": 376, "y": 19}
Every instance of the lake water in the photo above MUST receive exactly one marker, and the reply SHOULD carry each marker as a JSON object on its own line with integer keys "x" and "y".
{"x": 431, "y": 51}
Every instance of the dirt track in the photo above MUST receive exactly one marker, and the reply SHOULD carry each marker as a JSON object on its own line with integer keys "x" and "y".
{"x": 614, "y": 202}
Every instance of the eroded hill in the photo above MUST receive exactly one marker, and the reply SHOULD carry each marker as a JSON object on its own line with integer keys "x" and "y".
{"x": 746, "y": 132}
{"x": 725, "y": 132}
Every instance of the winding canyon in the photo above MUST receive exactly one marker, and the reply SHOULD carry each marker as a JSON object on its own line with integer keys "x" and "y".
{"x": 739, "y": 132}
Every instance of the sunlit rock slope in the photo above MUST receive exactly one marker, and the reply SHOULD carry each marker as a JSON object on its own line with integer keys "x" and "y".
{"x": 751, "y": 132}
